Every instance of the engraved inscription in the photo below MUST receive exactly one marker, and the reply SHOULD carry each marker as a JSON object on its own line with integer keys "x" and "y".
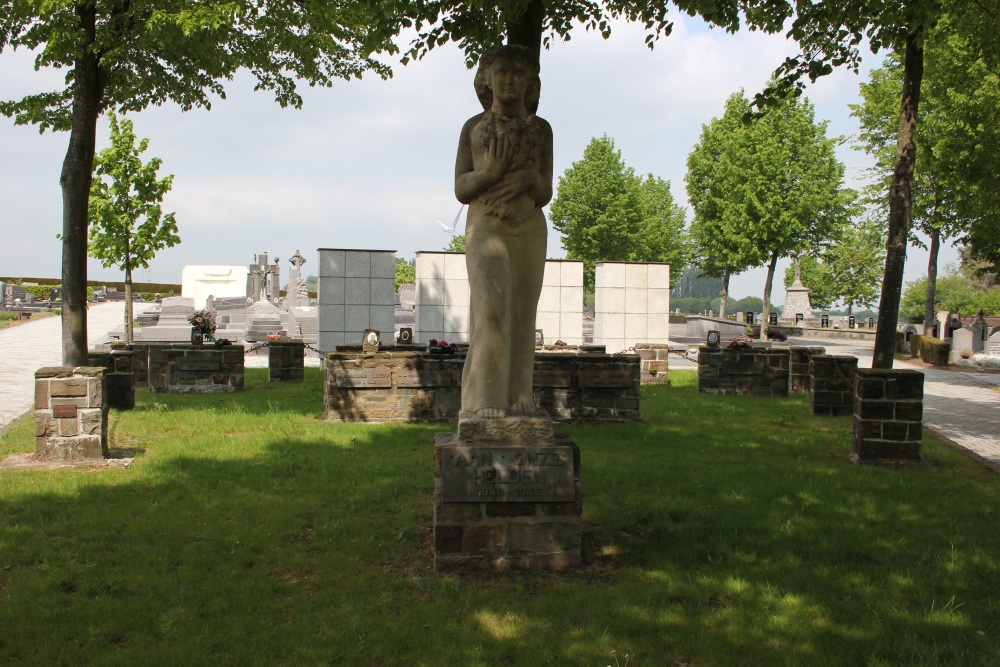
{"x": 608, "y": 378}
{"x": 64, "y": 411}
{"x": 409, "y": 379}
{"x": 507, "y": 474}
{"x": 365, "y": 378}
{"x": 553, "y": 379}
{"x": 199, "y": 364}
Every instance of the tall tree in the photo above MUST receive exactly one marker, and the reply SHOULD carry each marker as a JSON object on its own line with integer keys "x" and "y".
{"x": 953, "y": 176}
{"x": 124, "y": 191}
{"x": 711, "y": 178}
{"x": 128, "y": 54}
{"x": 782, "y": 184}
{"x": 604, "y": 211}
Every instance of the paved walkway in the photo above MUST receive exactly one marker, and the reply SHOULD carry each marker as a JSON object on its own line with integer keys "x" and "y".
{"x": 963, "y": 407}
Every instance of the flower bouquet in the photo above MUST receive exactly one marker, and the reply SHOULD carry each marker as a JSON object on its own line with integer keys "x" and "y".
{"x": 436, "y": 346}
{"x": 202, "y": 325}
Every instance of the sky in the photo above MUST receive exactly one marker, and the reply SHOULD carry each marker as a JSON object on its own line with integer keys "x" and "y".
{"x": 370, "y": 164}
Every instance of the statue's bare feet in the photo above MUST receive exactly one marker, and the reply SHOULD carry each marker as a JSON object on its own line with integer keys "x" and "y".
{"x": 522, "y": 408}
{"x": 491, "y": 413}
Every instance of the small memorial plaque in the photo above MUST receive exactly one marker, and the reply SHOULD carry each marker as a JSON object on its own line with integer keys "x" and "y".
{"x": 188, "y": 364}
{"x": 410, "y": 379}
{"x": 471, "y": 474}
{"x": 994, "y": 348}
{"x": 64, "y": 411}
{"x": 364, "y": 378}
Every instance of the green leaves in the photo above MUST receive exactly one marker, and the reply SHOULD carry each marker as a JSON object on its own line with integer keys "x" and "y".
{"x": 604, "y": 211}
{"x": 124, "y": 191}
{"x": 763, "y": 187}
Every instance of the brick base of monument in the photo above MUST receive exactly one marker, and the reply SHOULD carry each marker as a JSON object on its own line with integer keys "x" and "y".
{"x": 888, "y": 414}
{"x": 831, "y": 391}
{"x": 119, "y": 370}
{"x": 71, "y": 414}
{"x": 286, "y": 361}
{"x": 507, "y": 495}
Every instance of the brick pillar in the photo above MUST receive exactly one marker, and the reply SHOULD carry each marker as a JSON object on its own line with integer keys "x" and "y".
{"x": 798, "y": 367}
{"x": 831, "y": 388}
{"x": 286, "y": 361}
{"x": 119, "y": 369}
{"x": 888, "y": 410}
{"x": 71, "y": 414}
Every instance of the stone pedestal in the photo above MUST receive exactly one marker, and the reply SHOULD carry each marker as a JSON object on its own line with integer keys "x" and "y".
{"x": 507, "y": 495}
{"x": 71, "y": 414}
{"x": 799, "y": 376}
{"x": 119, "y": 370}
{"x": 832, "y": 379}
{"x": 888, "y": 411}
{"x": 796, "y": 302}
{"x": 286, "y": 361}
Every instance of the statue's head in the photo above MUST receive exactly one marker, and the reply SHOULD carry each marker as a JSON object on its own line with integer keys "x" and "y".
{"x": 511, "y": 54}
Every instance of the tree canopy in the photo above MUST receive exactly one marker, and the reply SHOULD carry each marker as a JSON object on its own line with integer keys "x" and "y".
{"x": 956, "y": 174}
{"x": 780, "y": 185}
{"x": 124, "y": 191}
{"x": 605, "y": 212}
{"x": 128, "y": 55}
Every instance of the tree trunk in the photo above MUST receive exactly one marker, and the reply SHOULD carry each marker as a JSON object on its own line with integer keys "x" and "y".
{"x": 900, "y": 202}
{"x": 725, "y": 293}
{"x": 526, "y": 28}
{"x": 77, "y": 172}
{"x": 932, "y": 260}
{"x": 129, "y": 336}
{"x": 766, "y": 315}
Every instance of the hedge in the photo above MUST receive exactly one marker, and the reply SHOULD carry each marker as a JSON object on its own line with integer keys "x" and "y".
{"x": 930, "y": 349}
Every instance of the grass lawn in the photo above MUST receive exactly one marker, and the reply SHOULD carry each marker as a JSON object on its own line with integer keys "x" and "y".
{"x": 10, "y": 319}
{"x": 720, "y": 531}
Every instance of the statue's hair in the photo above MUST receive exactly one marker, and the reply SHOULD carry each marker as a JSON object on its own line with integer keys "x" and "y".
{"x": 514, "y": 52}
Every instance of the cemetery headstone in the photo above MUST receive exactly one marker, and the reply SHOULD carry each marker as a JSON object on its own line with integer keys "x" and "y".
{"x": 772, "y": 318}
{"x": 824, "y": 321}
{"x": 750, "y": 317}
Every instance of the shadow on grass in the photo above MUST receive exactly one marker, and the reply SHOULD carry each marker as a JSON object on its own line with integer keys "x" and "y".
{"x": 722, "y": 531}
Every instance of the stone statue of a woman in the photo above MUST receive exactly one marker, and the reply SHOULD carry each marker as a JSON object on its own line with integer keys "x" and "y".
{"x": 504, "y": 173}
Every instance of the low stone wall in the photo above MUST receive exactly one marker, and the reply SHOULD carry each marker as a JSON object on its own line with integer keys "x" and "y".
{"x": 799, "y": 375}
{"x": 752, "y": 371}
{"x": 831, "y": 391}
{"x": 286, "y": 361}
{"x": 119, "y": 370}
{"x": 71, "y": 414}
{"x": 655, "y": 363}
{"x": 418, "y": 386}
{"x": 888, "y": 415}
{"x": 182, "y": 368}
